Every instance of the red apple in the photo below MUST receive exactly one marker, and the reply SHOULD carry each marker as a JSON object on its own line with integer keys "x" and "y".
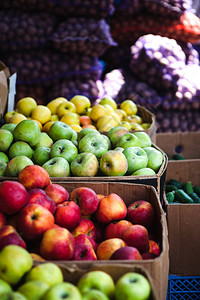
{"x": 57, "y": 244}
{"x": 86, "y": 226}
{"x": 154, "y": 247}
{"x": 34, "y": 220}
{"x": 68, "y": 215}
{"x": 40, "y": 197}
{"x": 84, "y": 239}
{"x": 148, "y": 255}
{"x": 106, "y": 248}
{"x": 9, "y": 236}
{"x": 111, "y": 208}
{"x": 141, "y": 212}
{"x": 34, "y": 176}
{"x": 137, "y": 236}
{"x": 86, "y": 198}
{"x": 13, "y": 197}
{"x": 127, "y": 253}
{"x": 84, "y": 252}
{"x": 115, "y": 229}
{"x": 57, "y": 192}
{"x": 2, "y": 219}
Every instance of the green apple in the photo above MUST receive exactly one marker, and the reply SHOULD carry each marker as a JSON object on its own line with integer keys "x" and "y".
{"x": 115, "y": 133}
{"x": 9, "y": 126}
{"x": 82, "y": 104}
{"x": 84, "y": 165}
{"x": 16, "y": 164}
{"x": 143, "y": 172}
{"x": 15, "y": 262}
{"x": 119, "y": 149}
{"x": 57, "y": 167}
{"x": 33, "y": 290}
{"x": 128, "y": 140}
{"x": 144, "y": 138}
{"x": 108, "y": 100}
{"x": 60, "y": 130}
{"x": 4, "y": 157}
{"x": 14, "y": 296}
{"x": 106, "y": 138}
{"x": 86, "y": 131}
{"x": 44, "y": 140}
{"x": 27, "y": 131}
{"x": 155, "y": 158}
{"x": 41, "y": 155}
{"x": 6, "y": 138}
{"x": 98, "y": 280}
{"x": 20, "y": 148}
{"x": 64, "y": 148}
{"x": 93, "y": 143}
{"x": 113, "y": 163}
{"x": 3, "y": 166}
{"x": 132, "y": 286}
{"x": 136, "y": 158}
{"x": 94, "y": 295}
{"x": 5, "y": 288}
{"x": 47, "y": 272}
{"x": 74, "y": 136}
{"x": 145, "y": 125}
{"x": 64, "y": 290}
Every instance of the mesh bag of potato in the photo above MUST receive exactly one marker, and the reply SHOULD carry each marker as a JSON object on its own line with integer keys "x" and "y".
{"x": 21, "y": 30}
{"x": 95, "y": 8}
{"x": 45, "y": 66}
{"x": 84, "y": 36}
{"x": 162, "y": 63}
{"x": 172, "y": 8}
{"x": 127, "y": 30}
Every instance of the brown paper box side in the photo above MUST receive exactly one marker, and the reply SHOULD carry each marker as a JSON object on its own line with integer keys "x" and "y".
{"x": 158, "y": 268}
{"x": 186, "y": 144}
{"x": 184, "y": 222}
{"x": 4, "y": 75}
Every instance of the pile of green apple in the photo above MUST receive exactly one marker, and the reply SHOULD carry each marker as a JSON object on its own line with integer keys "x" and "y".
{"x": 63, "y": 152}
{"x": 20, "y": 279}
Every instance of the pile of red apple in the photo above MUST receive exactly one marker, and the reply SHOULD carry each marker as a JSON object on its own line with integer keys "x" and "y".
{"x": 53, "y": 224}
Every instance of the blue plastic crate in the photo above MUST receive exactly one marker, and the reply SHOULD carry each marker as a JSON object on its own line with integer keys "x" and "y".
{"x": 183, "y": 287}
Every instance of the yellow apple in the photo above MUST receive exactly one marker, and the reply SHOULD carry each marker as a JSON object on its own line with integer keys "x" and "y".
{"x": 82, "y": 103}
{"x": 97, "y": 111}
{"x": 64, "y": 108}
{"x": 129, "y": 107}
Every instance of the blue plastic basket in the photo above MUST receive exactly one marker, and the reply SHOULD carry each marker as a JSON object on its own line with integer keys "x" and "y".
{"x": 183, "y": 288}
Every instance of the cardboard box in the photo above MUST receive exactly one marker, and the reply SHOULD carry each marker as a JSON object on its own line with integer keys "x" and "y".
{"x": 72, "y": 275}
{"x": 156, "y": 180}
{"x": 158, "y": 268}
{"x": 186, "y": 144}
{"x": 4, "y": 75}
{"x": 184, "y": 222}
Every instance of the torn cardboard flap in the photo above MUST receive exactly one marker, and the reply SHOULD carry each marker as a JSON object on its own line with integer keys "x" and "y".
{"x": 4, "y": 75}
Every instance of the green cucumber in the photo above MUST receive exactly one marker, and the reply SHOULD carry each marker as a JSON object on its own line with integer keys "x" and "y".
{"x": 178, "y": 157}
{"x": 182, "y": 196}
{"x": 188, "y": 187}
{"x": 196, "y": 189}
{"x": 195, "y": 197}
{"x": 170, "y": 188}
{"x": 175, "y": 182}
{"x": 170, "y": 197}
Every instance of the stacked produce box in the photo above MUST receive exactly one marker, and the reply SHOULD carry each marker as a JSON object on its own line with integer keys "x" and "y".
{"x": 157, "y": 60}
{"x": 54, "y": 46}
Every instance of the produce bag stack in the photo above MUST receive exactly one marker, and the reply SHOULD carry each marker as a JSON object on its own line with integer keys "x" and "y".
{"x": 54, "y": 46}
{"x": 158, "y": 60}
